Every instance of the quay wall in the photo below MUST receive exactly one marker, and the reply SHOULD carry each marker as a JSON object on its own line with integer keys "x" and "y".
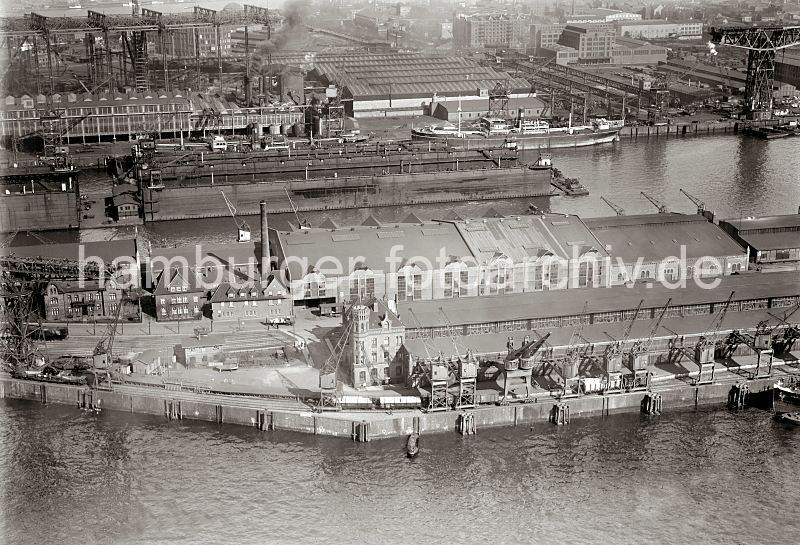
{"x": 701, "y": 128}
{"x": 363, "y": 426}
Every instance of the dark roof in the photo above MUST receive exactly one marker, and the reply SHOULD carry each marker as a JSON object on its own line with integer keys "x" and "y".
{"x": 374, "y": 245}
{"x": 765, "y": 222}
{"x": 570, "y": 302}
{"x": 273, "y": 288}
{"x": 494, "y": 343}
{"x": 108, "y": 251}
{"x": 378, "y": 310}
{"x": 214, "y": 339}
{"x": 656, "y": 236}
{"x": 191, "y": 278}
{"x": 226, "y": 255}
{"x": 125, "y": 198}
{"x": 772, "y": 241}
{"x": 64, "y": 286}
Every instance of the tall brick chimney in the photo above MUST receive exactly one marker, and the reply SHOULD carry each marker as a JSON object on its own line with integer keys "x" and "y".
{"x": 266, "y": 264}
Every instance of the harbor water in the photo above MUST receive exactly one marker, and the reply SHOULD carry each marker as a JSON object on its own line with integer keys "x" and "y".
{"x": 686, "y": 477}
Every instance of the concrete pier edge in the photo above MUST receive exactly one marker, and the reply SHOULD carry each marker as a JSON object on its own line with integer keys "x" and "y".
{"x": 371, "y": 424}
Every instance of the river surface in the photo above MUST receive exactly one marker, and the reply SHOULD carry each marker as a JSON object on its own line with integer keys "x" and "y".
{"x": 688, "y": 477}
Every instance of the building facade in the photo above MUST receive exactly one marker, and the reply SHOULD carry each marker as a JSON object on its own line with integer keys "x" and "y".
{"x": 655, "y": 30}
{"x": 545, "y": 35}
{"x": 489, "y": 30}
{"x": 179, "y": 295}
{"x": 594, "y": 43}
{"x": 373, "y": 349}
{"x": 771, "y": 240}
{"x": 267, "y": 301}
{"x": 84, "y": 301}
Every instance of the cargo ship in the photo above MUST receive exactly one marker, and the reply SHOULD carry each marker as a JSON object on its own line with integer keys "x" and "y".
{"x": 525, "y": 134}
{"x": 183, "y": 186}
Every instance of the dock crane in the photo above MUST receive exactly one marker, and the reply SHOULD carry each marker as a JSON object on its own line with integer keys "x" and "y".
{"x": 102, "y": 356}
{"x": 761, "y": 342}
{"x": 662, "y": 208}
{"x": 616, "y": 208}
{"x": 613, "y": 354}
{"x": 466, "y": 368}
{"x": 639, "y": 356}
{"x": 791, "y": 333}
{"x": 705, "y": 347}
{"x": 570, "y": 364}
{"x": 701, "y": 206}
{"x": 519, "y": 364}
{"x": 328, "y": 383}
{"x": 242, "y": 228}
{"x": 436, "y": 370}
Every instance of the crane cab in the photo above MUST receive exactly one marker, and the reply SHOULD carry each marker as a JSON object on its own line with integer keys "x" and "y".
{"x": 243, "y": 233}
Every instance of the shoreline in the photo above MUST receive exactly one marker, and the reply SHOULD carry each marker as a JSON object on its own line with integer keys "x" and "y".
{"x": 267, "y": 414}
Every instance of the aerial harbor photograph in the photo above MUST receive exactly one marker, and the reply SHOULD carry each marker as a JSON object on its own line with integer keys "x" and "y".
{"x": 397, "y": 271}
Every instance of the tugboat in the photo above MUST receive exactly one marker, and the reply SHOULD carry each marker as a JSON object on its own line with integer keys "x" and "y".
{"x": 412, "y": 446}
{"x": 786, "y": 404}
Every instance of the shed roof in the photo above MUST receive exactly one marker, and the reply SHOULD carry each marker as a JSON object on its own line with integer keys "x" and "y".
{"x": 656, "y": 236}
{"x": 764, "y": 222}
{"x": 522, "y": 238}
{"x": 570, "y": 302}
{"x": 108, "y": 251}
{"x": 386, "y": 247}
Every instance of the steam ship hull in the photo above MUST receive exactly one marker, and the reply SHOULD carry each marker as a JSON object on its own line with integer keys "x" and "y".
{"x": 524, "y": 141}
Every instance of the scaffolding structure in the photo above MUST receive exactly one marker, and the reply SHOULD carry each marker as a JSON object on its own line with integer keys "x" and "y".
{"x": 18, "y": 33}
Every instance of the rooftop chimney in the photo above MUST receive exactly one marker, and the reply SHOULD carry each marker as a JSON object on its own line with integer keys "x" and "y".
{"x": 266, "y": 264}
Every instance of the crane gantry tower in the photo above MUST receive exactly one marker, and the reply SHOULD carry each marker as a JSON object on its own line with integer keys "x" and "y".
{"x": 761, "y": 44}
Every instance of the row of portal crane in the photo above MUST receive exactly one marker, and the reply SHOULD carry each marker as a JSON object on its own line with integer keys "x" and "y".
{"x": 660, "y": 206}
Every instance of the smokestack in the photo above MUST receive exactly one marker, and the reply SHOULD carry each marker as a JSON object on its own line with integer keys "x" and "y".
{"x": 266, "y": 262}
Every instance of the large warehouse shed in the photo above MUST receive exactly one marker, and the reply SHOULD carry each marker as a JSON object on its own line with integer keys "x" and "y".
{"x": 377, "y": 85}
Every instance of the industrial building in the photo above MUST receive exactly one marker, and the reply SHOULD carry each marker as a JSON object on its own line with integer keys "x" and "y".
{"x": 594, "y": 43}
{"x": 545, "y": 36}
{"x": 630, "y": 52}
{"x": 601, "y": 15}
{"x": 770, "y": 240}
{"x": 397, "y": 84}
{"x": 667, "y": 247}
{"x": 448, "y": 110}
{"x": 92, "y": 117}
{"x": 541, "y": 311}
{"x": 605, "y": 317}
{"x": 457, "y": 258}
{"x": 490, "y": 30}
{"x": 787, "y": 66}
{"x": 660, "y": 29}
